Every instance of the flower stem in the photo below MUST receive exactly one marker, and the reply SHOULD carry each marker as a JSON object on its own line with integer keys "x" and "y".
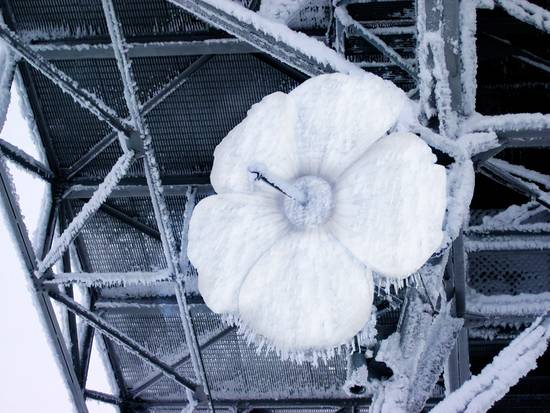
{"x": 261, "y": 174}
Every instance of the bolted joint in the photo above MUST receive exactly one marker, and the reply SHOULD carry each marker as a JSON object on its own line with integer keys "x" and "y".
{"x": 200, "y": 395}
{"x": 133, "y": 141}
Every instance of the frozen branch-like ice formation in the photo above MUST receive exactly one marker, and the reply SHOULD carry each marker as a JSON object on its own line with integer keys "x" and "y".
{"x": 482, "y": 391}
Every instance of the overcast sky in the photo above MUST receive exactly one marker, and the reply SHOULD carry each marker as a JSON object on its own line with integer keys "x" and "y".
{"x": 31, "y": 380}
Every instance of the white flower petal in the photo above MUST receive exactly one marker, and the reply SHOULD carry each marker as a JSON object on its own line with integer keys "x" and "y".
{"x": 390, "y": 205}
{"x": 307, "y": 292}
{"x": 339, "y": 117}
{"x": 265, "y": 136}
{"x": 227, "y": 234}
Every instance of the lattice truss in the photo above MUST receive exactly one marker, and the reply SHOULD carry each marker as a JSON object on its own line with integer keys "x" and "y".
{"x": 117, "y": 224}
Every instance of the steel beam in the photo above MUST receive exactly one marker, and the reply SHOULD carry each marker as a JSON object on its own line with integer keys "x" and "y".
{"x": 42, "y": 126}
{"x": 147, "y": 107}
{"x": 100, "y": 279}
{"x": 174, "y": 180}
{"x": 103, "y": 397}
{"x": 86, "y": 354}
{"x": 149, "y": 381}
{"x": 440, "y": 62}
{"x": 81, "y": 252}
{"x": 71, "y": 320}
{"x": 20, "y": 233}
{"x": 244, "y": 405}
{"x": 239, "y": 22}
{"x": 281, "y": 67}
{"x": 53, "y": 217}
{"x": 499, "y": 175}
{"x": 240, "y": 405}
{"x": 111, "y": 180}
{"x": 68, "y": 85}
{"x": 80, "y": 184}
{"x": 130, "y": 191}
{"x": 349, "y": 23}
{"x": 525, "y": 138}
{"x": 509, "y": 49}
{"x": 112, "y": 333}
{"x": 88, "y": 335}
{"x": 156, "y": 191}
{"x": 215, "y": 46}
{"x": 527, "y": 12}
{"x": 106, "y": 346}
{"x": 457, "y": 371}
{"x": 182, "y": 264}
{"x": 26, "y": 161}
{"x": 128, "y": 220}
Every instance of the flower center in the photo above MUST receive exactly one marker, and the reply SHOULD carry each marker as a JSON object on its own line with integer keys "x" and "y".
{"x": 318, "y": 205}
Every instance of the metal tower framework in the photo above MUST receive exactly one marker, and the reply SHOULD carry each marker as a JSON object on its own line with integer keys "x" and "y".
{"x": 442, "y": 77}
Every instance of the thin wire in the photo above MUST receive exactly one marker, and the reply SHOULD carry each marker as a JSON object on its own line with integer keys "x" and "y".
{"x": 261, "y": 176}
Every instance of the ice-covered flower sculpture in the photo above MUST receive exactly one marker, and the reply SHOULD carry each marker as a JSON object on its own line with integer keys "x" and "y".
{"x": 312, "y": 196}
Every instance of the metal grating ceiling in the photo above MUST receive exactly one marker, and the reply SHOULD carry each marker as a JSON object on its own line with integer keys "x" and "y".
{"x": 509, "y": 271}
{"x": 187, "y": 125}
{"x": 44, "y": 20}
{"x": 235, "y": 369}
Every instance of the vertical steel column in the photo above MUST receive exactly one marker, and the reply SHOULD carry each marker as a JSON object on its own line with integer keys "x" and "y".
{"x": 71, "y": 320}
{"x": 89, "y": 331}
{"x": 438, "y": 35}
{"x": 15, "y": 220}
{"x": 459, "y": 360}
{"x": 155, "y": 188}
{"x": 442, "y": 19}
{"x": 457, "y": 370}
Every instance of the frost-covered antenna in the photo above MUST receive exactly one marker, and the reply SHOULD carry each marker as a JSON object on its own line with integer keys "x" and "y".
{"x": 261, "y": 174}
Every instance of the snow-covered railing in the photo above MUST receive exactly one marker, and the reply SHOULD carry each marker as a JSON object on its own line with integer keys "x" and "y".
{"x": 511, "y": 364}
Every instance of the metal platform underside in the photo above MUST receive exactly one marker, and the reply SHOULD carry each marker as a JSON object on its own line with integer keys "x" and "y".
{"x": 196, "y": 74}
